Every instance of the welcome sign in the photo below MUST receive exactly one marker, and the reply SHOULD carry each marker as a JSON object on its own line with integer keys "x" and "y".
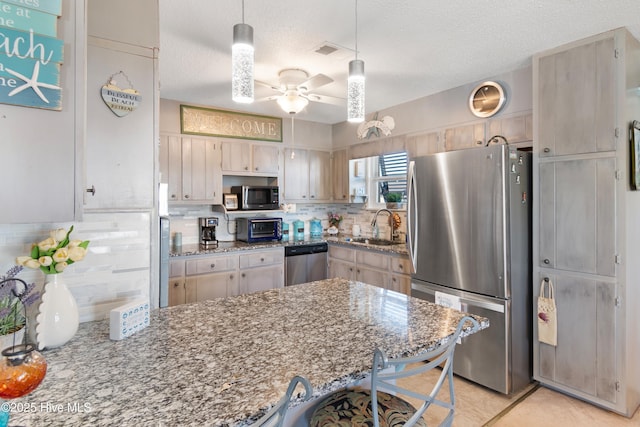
{"x": 30, "y": 55}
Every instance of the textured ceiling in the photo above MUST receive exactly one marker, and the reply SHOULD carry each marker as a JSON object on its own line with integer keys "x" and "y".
{"x": 411, "y": 48}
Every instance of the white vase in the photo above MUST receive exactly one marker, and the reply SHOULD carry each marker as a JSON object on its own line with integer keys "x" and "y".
{"x": 57, "y": 320}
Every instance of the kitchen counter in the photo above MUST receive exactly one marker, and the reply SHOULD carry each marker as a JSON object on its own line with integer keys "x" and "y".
{"x": 223, "y": 247}
{"x": 224, "y": 362}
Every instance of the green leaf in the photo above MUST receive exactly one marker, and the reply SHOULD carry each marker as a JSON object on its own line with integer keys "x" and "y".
{"x": 35, "y": 252}
{"x": 84, "y": 244}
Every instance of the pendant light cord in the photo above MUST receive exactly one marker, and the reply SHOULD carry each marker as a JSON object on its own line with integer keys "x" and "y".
{"x": 243, "y": 11}
{"x": 356, "y": 29}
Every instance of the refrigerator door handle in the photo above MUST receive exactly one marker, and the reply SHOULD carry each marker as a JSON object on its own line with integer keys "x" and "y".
{"x": 412, "y": 215}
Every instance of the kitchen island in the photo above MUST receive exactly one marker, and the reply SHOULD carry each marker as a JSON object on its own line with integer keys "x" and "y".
{"x": 224, "y": 362}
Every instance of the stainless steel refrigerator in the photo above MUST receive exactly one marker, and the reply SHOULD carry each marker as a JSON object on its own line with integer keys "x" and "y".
{"x": 469, "y": 222}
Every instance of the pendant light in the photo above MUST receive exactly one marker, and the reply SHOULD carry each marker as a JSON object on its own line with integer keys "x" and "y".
{"x": 242, "y": 62}
{"x": 355, "y": 85}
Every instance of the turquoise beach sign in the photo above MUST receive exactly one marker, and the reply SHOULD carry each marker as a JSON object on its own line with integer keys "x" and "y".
{"x": 30, "y": 55}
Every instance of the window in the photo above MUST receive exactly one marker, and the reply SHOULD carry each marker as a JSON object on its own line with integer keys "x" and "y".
{"x": 388, "y": 179}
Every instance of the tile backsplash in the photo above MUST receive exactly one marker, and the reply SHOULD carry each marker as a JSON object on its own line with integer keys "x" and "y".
{"x": 116, "y": 268}
{"x": 184, "y": 219}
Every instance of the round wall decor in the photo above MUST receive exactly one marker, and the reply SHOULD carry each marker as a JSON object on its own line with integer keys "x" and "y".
{"x": 487, "y": 99}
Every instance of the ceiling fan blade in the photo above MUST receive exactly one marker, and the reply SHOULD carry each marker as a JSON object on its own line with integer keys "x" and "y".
{"x": 325, "y": 99}
{"x": 267, "y": 98}
{"x": 314, "y": 82}
{"x": 269, "y": 85}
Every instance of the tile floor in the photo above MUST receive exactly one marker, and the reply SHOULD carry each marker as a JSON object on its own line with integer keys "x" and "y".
{"x": 477, "y": 406}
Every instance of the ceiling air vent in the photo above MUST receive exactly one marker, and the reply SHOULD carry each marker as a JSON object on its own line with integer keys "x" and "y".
{"x": 326, "y": 49}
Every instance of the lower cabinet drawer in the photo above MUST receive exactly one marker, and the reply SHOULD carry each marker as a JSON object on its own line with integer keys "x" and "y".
{"x": 259, "y": 259}
{"x": 211, "y": 265}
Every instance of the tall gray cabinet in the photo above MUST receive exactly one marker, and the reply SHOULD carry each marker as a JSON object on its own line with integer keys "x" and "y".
{"x": 586, "y": 232}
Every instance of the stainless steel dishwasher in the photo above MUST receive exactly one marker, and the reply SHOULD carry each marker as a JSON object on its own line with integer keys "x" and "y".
{"x": 305, "y": 263}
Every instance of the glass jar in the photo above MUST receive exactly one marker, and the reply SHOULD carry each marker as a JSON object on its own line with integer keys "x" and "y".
{"x": 315, "y": 228}
{"x": 298, "y": 230}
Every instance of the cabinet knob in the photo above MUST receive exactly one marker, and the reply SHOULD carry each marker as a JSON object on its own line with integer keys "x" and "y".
{"x": 243, "y": 275}
{"x": 92, "y": 190}
{"x": 231, "y": 276}
{"x": 480, "y": 142}
{"x": 400, "y": 266}
{"x": 175, "y": 285}
{"x": 212, "y": 266}
{"x": 173, "y": 196}
{"x": 546, "y": 261}
{"x": 261, "y": 259}
{"x": 312, "y": 196}
{"x": 256, "y": 169}
{"x": 186, "y": 196}
{"x": 547, "y": 150}
{"x": 246, "y": 168}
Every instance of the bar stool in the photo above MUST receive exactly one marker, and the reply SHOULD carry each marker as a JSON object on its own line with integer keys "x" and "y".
{"x": 347, "y": 405}
{"x": 275, "y": 416}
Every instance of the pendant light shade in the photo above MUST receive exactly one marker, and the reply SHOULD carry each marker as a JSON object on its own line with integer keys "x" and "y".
{"x": 355, "y": 84}
{"x": 355, "y": 91}
{"x": 242, "y": 62}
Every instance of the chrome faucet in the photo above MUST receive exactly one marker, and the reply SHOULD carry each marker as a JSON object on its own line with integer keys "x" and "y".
{"x": 375, "y": 219}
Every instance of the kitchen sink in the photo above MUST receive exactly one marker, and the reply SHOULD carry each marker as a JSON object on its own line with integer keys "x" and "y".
{"x": 374, "y": 241}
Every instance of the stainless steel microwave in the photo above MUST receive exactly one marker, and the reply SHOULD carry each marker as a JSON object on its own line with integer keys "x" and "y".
{"x": 253, "y": 230}
{"x": 257, "y": 196}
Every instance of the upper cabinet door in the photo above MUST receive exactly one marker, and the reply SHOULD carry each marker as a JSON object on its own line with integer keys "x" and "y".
{"x": 340, "y": 175}
{"x": 236, "y": 157}
{"x": 201, "y": 177}
{"x": 265, "y": 159}
{"x": 119, "y": 151}
{"x": 319, "y": 175}
{"x": 576, "y": 96}
{"x": 577, "y": 215}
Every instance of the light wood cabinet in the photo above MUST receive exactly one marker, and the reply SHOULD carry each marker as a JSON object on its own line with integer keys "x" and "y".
{"x": 191, "y": 168}
{"x": 340, "y": 176}
{"x": 201, "y": 177}
{"x": 515, "y": 129}
{"x": 424, "y": 144}
{"x": 261, "y": 270}
{"x": 245, "y": 158}
{"x": 307, "y": 177}
{"x": 460, "y": 137}
{"x": 177, "y": 290}
{"x": 585, "y": 217}
{"x": 383, "y": 269}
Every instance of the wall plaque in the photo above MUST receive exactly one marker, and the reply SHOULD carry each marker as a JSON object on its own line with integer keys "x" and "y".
{"x": 120, "y": 101}
{"x": 229, "y": 124}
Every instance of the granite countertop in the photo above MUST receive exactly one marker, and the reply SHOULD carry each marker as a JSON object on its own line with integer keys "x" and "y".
{"x": 342, "y": 239}
{"x": 224, "y": 362}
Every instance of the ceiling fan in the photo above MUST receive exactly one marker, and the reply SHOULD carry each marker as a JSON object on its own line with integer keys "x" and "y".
{"x": 295, "y": 89}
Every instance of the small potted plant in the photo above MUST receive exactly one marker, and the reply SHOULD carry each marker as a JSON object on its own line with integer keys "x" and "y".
{"x": 394, "y": 200}
{"x": 13, "y": 299}
{"x": 334, "y": 223}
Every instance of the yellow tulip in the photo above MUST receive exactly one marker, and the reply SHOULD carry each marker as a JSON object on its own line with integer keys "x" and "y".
{"x": 61, "y": 266}
{"x": 45, "y": 261}
{"x": 61, "y": 255}
{"x": 58, "y": 234}
{"x": 77, "y": 253}
{"x": 48, "y": 243}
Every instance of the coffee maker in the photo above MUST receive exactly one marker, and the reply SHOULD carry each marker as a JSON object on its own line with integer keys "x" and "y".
{"x": 208, "y": 232}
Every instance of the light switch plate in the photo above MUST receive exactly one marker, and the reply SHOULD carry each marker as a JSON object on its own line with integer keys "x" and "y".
{"x": 129, "y": 318}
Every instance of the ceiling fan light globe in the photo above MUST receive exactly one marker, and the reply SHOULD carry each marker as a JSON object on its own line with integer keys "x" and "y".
{"x": 242, "y": 59}
{"x": 292, "y": 103}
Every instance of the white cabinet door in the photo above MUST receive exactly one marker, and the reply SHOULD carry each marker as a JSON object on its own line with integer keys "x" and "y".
{"x": 319, "y": 175}
{"x": 265, "y": 159}
{"x": 177, "y": 291}
{"x": 261, "y": 279}
{"x": 296, "y": 175}
{"x": 210, "y": 286}
{"x": 119, "y": 151}
{"x": 201, "y": 174}
{"x": 346, "y": 270}
{"x": 236, "y": 157}
{"x": 171, "y": 165}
